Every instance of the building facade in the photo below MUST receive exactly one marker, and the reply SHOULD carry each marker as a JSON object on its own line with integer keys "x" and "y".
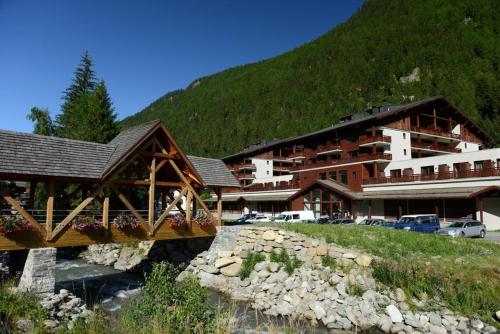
{"x": 424, "y": 157}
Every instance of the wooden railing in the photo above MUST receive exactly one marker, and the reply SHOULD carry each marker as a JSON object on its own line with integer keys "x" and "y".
{"x": 283, "y": 185}
{"x": 435, "y": 132}
{"x": 245, "y": 176}
{"x": 359, "y": 158}
{"x": 435, "y": 147}
{"x": 471, "y": 173}
{"x": 372, "y": 139}
{"x": 246, "y": 166}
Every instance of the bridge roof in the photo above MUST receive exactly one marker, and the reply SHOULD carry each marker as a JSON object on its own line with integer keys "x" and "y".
{"x": 29, "y": 155}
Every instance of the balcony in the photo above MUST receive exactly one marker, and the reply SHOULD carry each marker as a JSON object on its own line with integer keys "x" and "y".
{"x": 246, "y": 167}
{"x": 245, "y": 177}
{"x": 329, "y": 149}
{"x": 464, "y": 174}
{"x": 281, "y": 169}
{"x": 377, "y": 140}
{"x": 283, "y": 185}
{"x": 431, "y": 133}
{"x": 359, "y": 158}
{"x": 433, "y": 147}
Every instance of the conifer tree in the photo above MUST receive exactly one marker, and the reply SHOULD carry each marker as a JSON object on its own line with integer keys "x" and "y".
{"x": 43, "y": 121}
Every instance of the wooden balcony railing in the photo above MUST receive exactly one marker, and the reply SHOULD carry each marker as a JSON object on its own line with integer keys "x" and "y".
{"x": 246, "y": 166}
{"x": 435, "y": 132}
{"x": 283, "y": 185}
{"x": 373, "y": 139}
{"x": 464, "y": 174}
{"x": 245, "y": 177}
{"x": 435, "y": 147}
{"x": 359, "y": 158}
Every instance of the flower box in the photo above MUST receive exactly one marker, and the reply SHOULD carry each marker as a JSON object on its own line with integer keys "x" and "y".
{"x": 176, "y": 221}
{"x": 11, "y": 224}
{"x": 202, "y": 219}
{"x": 124, "y": 222}
{"x": 86, "y": 224}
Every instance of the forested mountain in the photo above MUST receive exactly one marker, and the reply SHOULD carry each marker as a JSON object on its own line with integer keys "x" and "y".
{"x": 389, "y": 51}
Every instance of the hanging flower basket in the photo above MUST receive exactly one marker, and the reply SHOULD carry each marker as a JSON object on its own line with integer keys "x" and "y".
{"x": 177, "y": 221}
{"x": 124, "y": 222}
{"x": 202, "y": 219}
{"x": 11, "y": 224}
{"x": 86, "y": 224}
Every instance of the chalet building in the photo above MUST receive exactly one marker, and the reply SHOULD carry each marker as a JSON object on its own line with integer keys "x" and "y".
{"x": 387, "y": 161}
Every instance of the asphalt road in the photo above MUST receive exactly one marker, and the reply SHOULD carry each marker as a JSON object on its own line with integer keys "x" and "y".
{"x": 493, "y": 236}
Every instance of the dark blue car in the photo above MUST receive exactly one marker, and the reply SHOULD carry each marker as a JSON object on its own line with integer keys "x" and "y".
{"x": 418, "y": 223}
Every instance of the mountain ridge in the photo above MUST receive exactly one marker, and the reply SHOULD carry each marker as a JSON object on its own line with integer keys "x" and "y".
{"x": 388, "y": 51}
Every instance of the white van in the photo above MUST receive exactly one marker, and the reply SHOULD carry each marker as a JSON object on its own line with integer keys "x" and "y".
{"x": 294, "y": 216}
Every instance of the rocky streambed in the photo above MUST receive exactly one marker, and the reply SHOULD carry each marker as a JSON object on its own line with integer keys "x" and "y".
{"x": 333, "y": 286}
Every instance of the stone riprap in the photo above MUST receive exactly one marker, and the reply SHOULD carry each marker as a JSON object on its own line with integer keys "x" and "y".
{"x": 345, "y": 297}
{"x": 64, "y": 308}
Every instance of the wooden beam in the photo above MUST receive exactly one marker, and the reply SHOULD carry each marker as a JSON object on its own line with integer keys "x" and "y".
{"x": 189, "y": 200}
{"x": 31, "y": 202}
{"x": 151, "y": 201}
{"x": 160, "y": 219}
{"x": 195, "y": 194}
{"x": 160, "y": 165}
{"x": 12, "y": 202}
{"x": 147, "y": 183}
{"x": 219, "y": 206}
{"x": 179, "y": 206}
{"x": 71, "y": 216}
{"x": 129, "y": 206}
{"x": 105, "y": 209}
{"x": 162, "y": 155}
{"x": 50, "y": 208}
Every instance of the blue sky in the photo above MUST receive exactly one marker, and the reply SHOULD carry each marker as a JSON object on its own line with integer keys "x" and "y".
{"x": 142, "y": 49}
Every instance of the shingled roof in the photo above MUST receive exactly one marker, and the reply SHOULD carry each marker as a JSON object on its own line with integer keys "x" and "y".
{"x": 26, "y": 154}
{"x": 213, "y": 172}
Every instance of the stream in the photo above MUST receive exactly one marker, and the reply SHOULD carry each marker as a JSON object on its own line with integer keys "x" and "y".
{"x": 113, "y": 288}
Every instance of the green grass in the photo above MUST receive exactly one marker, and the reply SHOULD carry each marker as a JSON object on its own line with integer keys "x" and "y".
{"x": 249, "y": 263}
{"x": 463, "y": 273}
{"x": 289, "y": 263}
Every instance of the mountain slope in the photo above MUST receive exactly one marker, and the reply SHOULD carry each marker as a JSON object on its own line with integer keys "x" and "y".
{"x": 390, "y": 50}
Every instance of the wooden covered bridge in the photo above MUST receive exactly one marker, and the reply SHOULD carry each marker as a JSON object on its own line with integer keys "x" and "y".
{"x": 140, "y": 177}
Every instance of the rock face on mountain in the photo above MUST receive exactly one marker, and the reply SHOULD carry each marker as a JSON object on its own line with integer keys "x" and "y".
{"x": 328, "y": 284}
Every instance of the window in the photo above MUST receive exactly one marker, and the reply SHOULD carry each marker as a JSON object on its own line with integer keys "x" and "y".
{"x": 498, "y": 163}
{"x": 333, "y": 175}
{"x": 267, "y": 172}
{"x": 465, "y": 145}
{"x": 478, "y": 165}
{"x": 427, "y": 170}
{"x": 343, "y": 176}
{"x": 296, "y": 216}
{"x": 354, "y": 176}
{"x": 322, "y": 176}
{"x": 404, "y": 135}
{"x": 404, "y": 151}
{"x": 267, "y": 162}
{"x": 395, "y": 172}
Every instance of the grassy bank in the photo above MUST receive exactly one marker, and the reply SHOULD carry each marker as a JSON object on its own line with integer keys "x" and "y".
{"x": 464, "y": 274}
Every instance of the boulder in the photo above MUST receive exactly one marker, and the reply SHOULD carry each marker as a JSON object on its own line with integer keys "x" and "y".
{"x": 437, "y": 329}
{"x": 400, "y": 295}
{"x": 322, "y": 250}
{"x": 269, "y": 235}
{"x": 24, "y": 325}
{"x": 363, "y": 260}
{"x": 393, "y": 312}
{"x": 223, "y": 262}
{"x": 497, "y": 314}
{"x": 231, "y": 270}
{"x": 349, "y": 256}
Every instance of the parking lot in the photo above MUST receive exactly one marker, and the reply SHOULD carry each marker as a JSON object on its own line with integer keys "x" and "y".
{"x": 493, "y": 236}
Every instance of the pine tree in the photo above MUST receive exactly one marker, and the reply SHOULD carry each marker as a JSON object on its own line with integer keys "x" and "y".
{"x": 43, "y": 121}
{"x": 87, "y": 111}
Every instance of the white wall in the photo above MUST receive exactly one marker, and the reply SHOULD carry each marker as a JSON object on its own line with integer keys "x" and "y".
{"x": 491, "y": 213}
{"x": 273, "y": 179}
{"x": 449, "y": 159}
{"x": 468, "y": 146}
{"x": 362, "y": 210}
{"x": 399, "y": 144}
{"x": 263, "y": 168}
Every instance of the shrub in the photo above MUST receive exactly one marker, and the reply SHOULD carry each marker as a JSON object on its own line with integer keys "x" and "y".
{"x": 124, "y": 222}
{"x": 328, "y": 261}
{"x": 249, "y": 263}
{"x": 356, "y": 290}
{"x": 290, "y": 264}
{"x": 165, "y": 306}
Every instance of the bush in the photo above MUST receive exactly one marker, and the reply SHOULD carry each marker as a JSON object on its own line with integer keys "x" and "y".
{"x": 290, "y": 264}
{"x": 249, "y": 263}
{"x": 328, "y": 261}
{"x": 165, "y": 306}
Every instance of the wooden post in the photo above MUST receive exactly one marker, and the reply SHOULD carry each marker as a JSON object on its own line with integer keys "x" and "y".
{"x": 369, "y": 209}
{"x": 400, "y": 211}
{"x": 105, "y": 209}
{"x": 151, "y": 206}
{"x": 50, "y": 208}
{"x": 189, "y": 199}
{"x": 353, "y": 209}
{"x": 481, "y": 209}
{"x": 219, "y": 206}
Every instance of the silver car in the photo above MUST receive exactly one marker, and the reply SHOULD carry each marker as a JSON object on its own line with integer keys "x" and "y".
{"x": 465, "y": 228}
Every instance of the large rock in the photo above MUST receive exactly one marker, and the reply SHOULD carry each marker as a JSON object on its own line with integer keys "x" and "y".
{"x": 223, "y": 262}
{"x": 498, "y": 315}
{"x": 393, "y": 312}
{"x": 269, "y": 236}
{"x": 231, "y": 270}
{"x": 363, "y": 260}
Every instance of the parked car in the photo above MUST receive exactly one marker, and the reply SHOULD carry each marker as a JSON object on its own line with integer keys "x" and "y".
{"x": 465, "y": 228}
{"x": 371, "y": 222}
{"x": 377, "y": 222}
{"x": 365, "y": 222}
{"x": 322, "y": 220}
{"x": 418, "y": 223}
{"x": 243, "y": 219}
{"x": 294, "y": 216}
{"x": 388, "y": 223}
{"x": 259, "y": 219}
